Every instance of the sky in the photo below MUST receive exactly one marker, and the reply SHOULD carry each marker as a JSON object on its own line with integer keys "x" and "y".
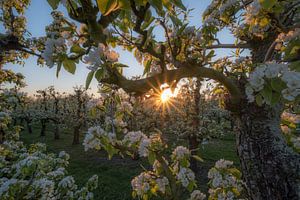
{"x": 37, "y": 77}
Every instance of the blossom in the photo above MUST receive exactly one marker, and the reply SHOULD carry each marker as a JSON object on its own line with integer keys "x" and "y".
{"x": 141, "y": 183}
{"x": 292, "y": 79}
{"x": 180, "y": 152}
{"x": 92, "y": 138}
{"x": 221, "y": 164}
{"x": 185, "y": 176}
{"x": 94, "y": 57}
{"x": 249, "y": 93}
{"x": 133, "y": 137}
{"x": 143, "y": 148}
{"x": 50, "y": 45}
{"x": 273, "y": 69}
{"x": 162, "y": 183}
{"x": 197, "y": 195}
{"x": 112, "y": 56}
{"x": 67, "y": 182}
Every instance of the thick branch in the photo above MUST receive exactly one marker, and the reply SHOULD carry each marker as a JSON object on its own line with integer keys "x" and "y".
{"x": 229, "y": 46}
{"x": 141, "y": 86}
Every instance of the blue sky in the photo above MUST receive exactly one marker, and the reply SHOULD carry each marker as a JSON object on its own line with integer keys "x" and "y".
{"x": 37, "y": 77}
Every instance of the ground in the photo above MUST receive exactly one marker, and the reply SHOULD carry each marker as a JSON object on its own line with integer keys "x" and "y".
{"x": 115, "y": 175}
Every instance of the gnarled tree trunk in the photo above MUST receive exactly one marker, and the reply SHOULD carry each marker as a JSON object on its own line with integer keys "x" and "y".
{"x": 76, "y": 134}
{"x": 56, "y": 132}
{"x": 2, "y": 134}
{"x": 29, "y": 128}
{"x": 194, "y": 143}
{"x": 43, "y": 130}
{"x": 270, "y": 168}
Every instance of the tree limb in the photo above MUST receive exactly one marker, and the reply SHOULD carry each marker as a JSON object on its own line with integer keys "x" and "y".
{"x": 143, "y": 85}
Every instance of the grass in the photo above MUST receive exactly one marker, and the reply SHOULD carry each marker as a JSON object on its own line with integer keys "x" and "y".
{"x": 115, "y": 175}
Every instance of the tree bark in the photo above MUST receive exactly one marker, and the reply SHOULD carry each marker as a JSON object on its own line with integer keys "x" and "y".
{"x": 76, "y": 135}
{"x": 29, "y": 128}
{"x": 2, "y": 135}
{"x": 43, "y": 130}
{"x": 270, "y": 168}
{"x": 194, "y": 143}
{"x": 193, "y": 146}
{"x": 56, "y": 132}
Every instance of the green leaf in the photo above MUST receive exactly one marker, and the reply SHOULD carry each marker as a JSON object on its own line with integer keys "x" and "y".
{"x": 197, "y": 158}
{"x": 259, "y": 100}
{"x": 179, "y": 4}
{"x": 107, "y": 6}
{"x": 190, "y": 186}
{"x": 124, "y": 4}
{"x": 295, "y": 66}
{"x": 99, "y": 74}
{"x": 167, "y": 4}
{"x": 70, "y": 66}
{"x": 147, "y": 67}
{"x": 53, "y": 3}
{"x": 151, "y": 157}
{"x": 275, "y": 98}
{"x": 267, "y": 4}
{"x": 267, "y": 93}
{"x": 175, "y": 21}
{"x": 58, "y": 69}
{"x": 77, "y": 49}
{"x": 277, "y": 84}
{"x": 147, "y": 23}
{"x": 211, "y": 54}
{"x": 89, "y": 79}
{"x": 235, "y": 172}
{"x": 157, "y": 4}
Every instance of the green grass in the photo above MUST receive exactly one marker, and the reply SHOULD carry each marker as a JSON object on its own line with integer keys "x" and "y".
{"x": 115, "y": 175}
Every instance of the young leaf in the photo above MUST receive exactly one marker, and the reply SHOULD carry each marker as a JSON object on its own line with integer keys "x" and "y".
{"x": 58, "y": 69}
{"x": 99, "y": 74}
{"x": 267, "y": 4}
{"x": 107, "y": 6}
{"x": 53, "y": 3}
{"x": 89, "y": 79}
{"x": 70, "y": 66}
{"x": 179, "y": 4}
{"x": 157, "y": 4}
{"x": 198, "y": 158}
{"x": 77, "y": 49}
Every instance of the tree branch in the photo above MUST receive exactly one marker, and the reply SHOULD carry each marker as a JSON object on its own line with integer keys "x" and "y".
{"x": 143, "y": 85}
{"x": 229, "y": 46}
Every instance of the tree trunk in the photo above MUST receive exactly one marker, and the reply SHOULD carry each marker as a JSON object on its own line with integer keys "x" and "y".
{"x": 29, "y": 128}
{"x": 270, "y": 168}
{"x": 193, "y": 146}
{"x": 56, "y": 132}
{"x": 2, "y": 135}
{"x": 193, "y": 139}
{"x": 76, "y": 135}
{"x": 43, "y": 130}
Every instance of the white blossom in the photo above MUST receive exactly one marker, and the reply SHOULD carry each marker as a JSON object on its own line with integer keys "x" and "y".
{"x": 185, "y": 176}
{"x": 197, "y": 195}
{"x": 180, "y": 152}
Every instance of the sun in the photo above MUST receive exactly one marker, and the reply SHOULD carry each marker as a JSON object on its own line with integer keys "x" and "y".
{"x": 166, "y": 95}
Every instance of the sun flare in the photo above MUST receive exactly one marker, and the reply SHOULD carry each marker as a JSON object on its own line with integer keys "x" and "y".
{"x": 166, "y": 95}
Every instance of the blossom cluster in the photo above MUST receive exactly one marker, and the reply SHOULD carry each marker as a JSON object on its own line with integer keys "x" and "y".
{"x": 31, "y": 173}
{"x": 284, "y": 38}
{"x": 225, "y": 181}
{"x": 258, "y": 79}
{"x": 288, "y": 127}
{"x": 212, "y": 14}
{"x": 94, "y": 136}
{"x": 147, "y": 181}
{"x": 96, "y": 56}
